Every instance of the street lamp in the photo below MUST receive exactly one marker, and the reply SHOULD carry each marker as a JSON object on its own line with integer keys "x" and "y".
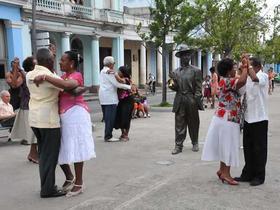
{"x": 33, "y": 28}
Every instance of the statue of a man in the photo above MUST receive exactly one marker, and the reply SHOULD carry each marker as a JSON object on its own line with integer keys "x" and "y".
{"x": 186, "y": 81}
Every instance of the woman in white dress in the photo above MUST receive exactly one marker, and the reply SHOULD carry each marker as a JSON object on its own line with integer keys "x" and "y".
{"x": 77, "y": 143}
{"x": 222, "y": 140}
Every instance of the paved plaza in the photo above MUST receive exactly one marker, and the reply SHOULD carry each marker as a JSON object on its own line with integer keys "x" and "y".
{"x": 142, "y": 174}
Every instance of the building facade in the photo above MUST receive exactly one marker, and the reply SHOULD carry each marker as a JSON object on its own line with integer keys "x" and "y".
{"x": 94, "y": 28}
{"x": 11, "y": 42}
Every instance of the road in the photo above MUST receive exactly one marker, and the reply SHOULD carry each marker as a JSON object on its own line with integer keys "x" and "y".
{"x": 143, "y": 175}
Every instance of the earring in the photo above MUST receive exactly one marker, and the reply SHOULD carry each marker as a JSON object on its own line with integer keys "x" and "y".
{"x": 71, "y": 66}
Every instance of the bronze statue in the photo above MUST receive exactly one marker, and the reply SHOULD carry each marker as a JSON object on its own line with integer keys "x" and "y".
{"x": 186, "y": 81}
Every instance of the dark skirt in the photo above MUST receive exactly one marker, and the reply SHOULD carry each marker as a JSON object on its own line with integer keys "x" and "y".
{"x": 124, "y": 113}
{"x": 15, "y": 97}
{"x": 207, "y": 92}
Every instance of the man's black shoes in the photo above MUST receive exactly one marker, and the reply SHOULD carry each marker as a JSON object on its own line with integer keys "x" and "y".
{"x": 176, "y": 151}
{"x": 253, "y": 182}
{"x": 57, "y": 193}
{"x": 256, "y": 182}
{"x": 242, "y": 179}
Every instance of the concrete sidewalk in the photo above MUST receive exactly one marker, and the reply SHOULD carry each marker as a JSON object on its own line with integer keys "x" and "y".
{"x": 142, "y": 173}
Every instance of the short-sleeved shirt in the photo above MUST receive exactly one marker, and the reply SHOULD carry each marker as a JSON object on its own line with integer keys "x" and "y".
{"x": 66, "y": 100}
{"x": 229, "y": 100}
{"x": 43, "y": 104}
{"x": 257, "y": 98}
{"x": 6, "y": 110}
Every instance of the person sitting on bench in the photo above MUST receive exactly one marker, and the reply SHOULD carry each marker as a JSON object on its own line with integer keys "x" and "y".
{"x": 7, "y": 114}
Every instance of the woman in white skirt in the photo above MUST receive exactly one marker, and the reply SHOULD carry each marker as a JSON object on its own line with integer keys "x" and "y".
{"x": 77, "y": 143}
{"x": 222, "y": 140}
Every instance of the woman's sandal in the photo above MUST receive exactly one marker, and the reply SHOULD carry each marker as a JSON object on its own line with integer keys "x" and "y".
{"x": 69, "y": 184}
{"x": 71, "y": 193}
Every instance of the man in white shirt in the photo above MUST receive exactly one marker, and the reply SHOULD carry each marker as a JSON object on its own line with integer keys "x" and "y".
{"x": 45, "y": 122}
{"x": 108, "y": 96}
{"x": 7, "y": 115}
{"x": 255, "y": 125}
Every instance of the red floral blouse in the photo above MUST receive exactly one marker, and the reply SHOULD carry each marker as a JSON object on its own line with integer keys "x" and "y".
{"x": 229, "y": 100}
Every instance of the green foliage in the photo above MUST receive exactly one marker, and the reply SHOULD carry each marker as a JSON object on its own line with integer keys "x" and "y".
{"x": 165, "y": 17}
{"x": 271, "y": 50}
{"x": 230, "y": 26}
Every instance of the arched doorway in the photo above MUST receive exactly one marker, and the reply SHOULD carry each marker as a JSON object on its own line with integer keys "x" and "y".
{"x": 77, "y": 46}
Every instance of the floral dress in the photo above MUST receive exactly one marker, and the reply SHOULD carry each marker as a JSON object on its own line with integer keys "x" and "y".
{"x": 229, "y": 100}
{"x": 223, "y": 136}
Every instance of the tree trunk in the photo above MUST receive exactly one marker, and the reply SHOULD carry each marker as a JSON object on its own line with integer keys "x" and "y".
{"x": 164, "y": 57}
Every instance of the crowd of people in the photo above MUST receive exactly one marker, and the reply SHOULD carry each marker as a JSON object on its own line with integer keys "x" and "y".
{"x": 49, "y": 113}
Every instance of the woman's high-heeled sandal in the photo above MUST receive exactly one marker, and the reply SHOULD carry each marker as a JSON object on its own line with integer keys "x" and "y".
{"x": 71, "y": 193}
{"x": 229, "y": 181}
{"x": 69, "y": 184}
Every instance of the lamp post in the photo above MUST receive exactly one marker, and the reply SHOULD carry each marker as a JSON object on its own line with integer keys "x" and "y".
{"x": 33, "y": 28}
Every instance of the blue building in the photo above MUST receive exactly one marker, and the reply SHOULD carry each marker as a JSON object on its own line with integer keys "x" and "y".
{"x": 10, "y": 34}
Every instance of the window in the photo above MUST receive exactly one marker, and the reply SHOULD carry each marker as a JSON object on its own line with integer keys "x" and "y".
{"x": 3, "y": 60}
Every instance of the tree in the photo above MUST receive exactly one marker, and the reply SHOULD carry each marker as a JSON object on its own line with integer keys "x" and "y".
{"x": 271, "y": 50}
{"x": 229, "y": 26}
{"x": 164, "y": 21}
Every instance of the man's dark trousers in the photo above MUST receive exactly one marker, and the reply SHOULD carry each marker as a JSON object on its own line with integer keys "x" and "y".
{"x": 255, "y": 150}
{"x": 109, "y": 116}
{"x": 48, "y": 140}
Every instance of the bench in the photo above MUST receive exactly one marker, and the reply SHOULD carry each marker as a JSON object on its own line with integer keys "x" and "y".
{"x": 3, "y": 129}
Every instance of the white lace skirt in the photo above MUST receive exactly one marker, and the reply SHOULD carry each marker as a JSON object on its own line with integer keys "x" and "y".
{"x": 77, "y": 142}
{"x": 222, "y": 142}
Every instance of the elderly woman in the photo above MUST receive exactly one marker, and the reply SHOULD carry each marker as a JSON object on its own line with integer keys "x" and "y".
{"x": 108, "y": 96}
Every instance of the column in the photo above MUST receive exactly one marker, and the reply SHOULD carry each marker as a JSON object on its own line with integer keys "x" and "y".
{"x": 159, "y": 65}
{"x": 143, "y": 65}
{"x": 209, "y": 61}
{"x": 95, "y": 60}
{"x": 148, "y": 61}
{"x": 14, "y": 40}
{"x": 65, "y": 41}
{"x": 174, "y": 60}
{"x": 118, "y": 51}
{"x": 199, "y": 59}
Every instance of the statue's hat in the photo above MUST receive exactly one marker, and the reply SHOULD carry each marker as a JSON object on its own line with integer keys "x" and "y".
{"x": 184, "y": 49}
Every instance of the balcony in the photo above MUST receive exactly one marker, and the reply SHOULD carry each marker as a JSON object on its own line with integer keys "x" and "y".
{"x": 67, "y": 9}
{"x": 64, "y": 8}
